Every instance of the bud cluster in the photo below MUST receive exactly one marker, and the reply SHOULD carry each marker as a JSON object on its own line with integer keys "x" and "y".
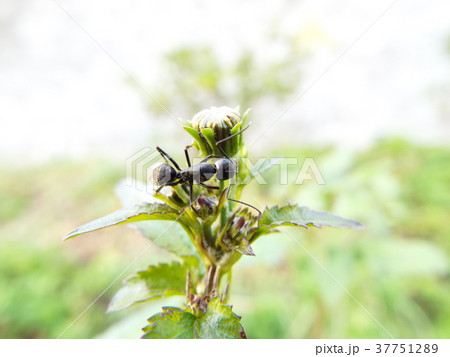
{"x": 236, "y": 232}
{"x": 220, "y": 234}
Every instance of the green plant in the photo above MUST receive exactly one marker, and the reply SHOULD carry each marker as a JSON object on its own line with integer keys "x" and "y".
{"x": 215, "y": 233}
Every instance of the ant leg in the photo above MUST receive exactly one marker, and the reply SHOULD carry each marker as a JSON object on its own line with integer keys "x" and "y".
{"x": 228, "y": 138}
{"x": 207, "y": 186}
{"x": 209, "y": 157}
{"x": 167, "y": 184}
{"x": 242, "y": 203}
{"x": 173, "y": 183}
{"x": 191, "y": 199}
{"x": 246, "y": 204}
{"x": 167, "y": 156}
{"x": 186, "y": 153}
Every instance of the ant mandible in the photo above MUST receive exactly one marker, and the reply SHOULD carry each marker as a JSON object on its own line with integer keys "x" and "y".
{"x": 224, "y": 168}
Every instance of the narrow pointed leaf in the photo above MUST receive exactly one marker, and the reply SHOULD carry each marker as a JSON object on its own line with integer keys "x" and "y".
{"x": 159, "y": 281}
{"x": 196, "y": 137}
{"x": 218, "y": 321}
{"x": 150, "y": 211}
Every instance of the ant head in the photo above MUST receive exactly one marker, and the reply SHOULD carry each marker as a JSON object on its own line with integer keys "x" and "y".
{"x": 164, "y": 174}
{"x": 225, "y": 169}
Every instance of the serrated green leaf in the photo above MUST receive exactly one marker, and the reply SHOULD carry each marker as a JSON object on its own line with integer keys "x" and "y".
{"x": 171, "y": 323}
{"x": 171, "y": 237}
{"x": 159, "y": 281}
{"x": 218, "y": 321}
{"x": 149, "y": 211}
{"x": 293, "y": 215}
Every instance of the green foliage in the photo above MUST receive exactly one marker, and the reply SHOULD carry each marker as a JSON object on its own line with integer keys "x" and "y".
{"x": 218, "y": 321}
{"x": 158, "y": 281}
{"x": 14, "y": 199}
{"x": 293, "y": 215}
{"x": 398, "y": 189}
{"x": 36, "y": 300}
{"x": 220, "y": 232}
{"x": 176, "y": 239}
{"x": 138, "y": 213}
{"x": 397, "y": 268}
{"x": 43, "y": 284}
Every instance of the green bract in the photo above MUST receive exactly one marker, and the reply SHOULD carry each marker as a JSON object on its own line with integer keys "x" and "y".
{"x": 208, "y": 238}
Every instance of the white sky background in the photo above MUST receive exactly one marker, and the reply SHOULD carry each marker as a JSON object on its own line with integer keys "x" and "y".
{"x": 61, "y": 95}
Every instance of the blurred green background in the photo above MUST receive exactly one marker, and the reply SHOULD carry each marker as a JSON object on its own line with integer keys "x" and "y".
{"x": 397, "y": 268}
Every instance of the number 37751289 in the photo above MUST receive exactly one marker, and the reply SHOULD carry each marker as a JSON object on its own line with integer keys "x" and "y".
{"x": 406, "y": 348}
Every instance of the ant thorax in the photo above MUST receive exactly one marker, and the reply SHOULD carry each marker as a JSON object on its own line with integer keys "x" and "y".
{"x": 198, "y": 173}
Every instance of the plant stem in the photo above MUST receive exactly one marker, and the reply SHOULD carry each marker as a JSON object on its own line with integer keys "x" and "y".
{"x": 212, "y": 279}
{"x": 223, "y": 211}
{"x": 208, "y": 236}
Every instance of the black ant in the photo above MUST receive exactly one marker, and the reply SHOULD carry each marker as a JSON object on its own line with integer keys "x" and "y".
{"x": 224, "y": 168}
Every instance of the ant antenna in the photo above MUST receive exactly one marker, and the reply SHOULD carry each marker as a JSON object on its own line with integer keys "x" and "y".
{"x": 167, "y": 156}
{"x": 242, "y": 203}
{"x": 224, "y": 154}
{"x": 228, "y": 138}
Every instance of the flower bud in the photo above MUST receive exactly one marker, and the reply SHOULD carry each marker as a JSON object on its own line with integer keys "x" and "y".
{"x": 214, "y": 124}
{"x": 206, "y": 207}
{"x": 237, "y": 231}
